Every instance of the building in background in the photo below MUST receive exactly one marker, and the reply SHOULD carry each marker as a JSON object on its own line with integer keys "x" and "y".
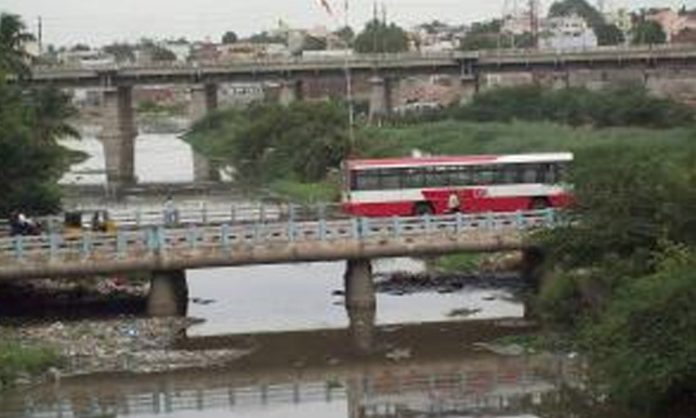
{"x": 567, "y": 33}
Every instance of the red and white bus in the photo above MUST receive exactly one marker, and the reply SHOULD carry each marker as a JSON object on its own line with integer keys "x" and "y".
{"x": 468, "y": 184}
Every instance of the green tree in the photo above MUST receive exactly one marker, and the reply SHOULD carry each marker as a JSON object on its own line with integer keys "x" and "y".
{"x": 157, "y": 52}
{"x": 13, "y": 36}
{"x": 346, "y": 34}
{"x": 379, "y": 37}
{"x": 268, "y": 142}
{"x": 80, "y": 47}
{"x": 648, "y": 33}
{"x": 32, "y": 121}
{"x": 476, "y": 42}
{"x": 608, "y": 35}
{"x": 229, "y": 38}
{"x": 266, "y": 38}
{"x": 122, "y": 52}
{"x": 311, "y": 43}
{"x": 484, "y": 35}
{"x": 579, "y": 7}
{"x": 643, "y": 346}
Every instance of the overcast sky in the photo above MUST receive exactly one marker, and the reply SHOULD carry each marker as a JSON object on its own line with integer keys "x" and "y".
{"x": 67, "y": 22}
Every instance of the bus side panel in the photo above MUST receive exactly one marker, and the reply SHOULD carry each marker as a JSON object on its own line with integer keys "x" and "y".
{"x": 378, "y": 210}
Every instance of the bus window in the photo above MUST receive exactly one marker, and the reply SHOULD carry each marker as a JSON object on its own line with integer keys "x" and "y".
{"x": 547, "y": 174}
{"x": 530, "y": 173}
{"x": 367, "y": 180}
{"x": 460, "y": 176}
{"x": 562, "y": 172}
{"x": 390, "y": 179}
{"x": 412, "y": 178}
{"x": 484, "y": 176}
{"x": 504, "y": 175}
{"x": 436, "y": 177}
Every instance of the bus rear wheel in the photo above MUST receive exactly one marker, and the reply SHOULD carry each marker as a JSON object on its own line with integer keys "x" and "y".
{"x": 422, "y": 209}
{"x": 540, "y": 203}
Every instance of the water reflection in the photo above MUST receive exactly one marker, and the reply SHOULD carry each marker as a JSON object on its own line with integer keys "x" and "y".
{"x": 317, "y": 374}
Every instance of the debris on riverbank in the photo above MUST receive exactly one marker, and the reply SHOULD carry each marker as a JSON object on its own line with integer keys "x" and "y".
{"x": 404, "y": 283}
{"x": 122, "y": 345}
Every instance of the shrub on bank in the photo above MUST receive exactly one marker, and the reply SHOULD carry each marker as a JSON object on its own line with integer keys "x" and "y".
{"x": 644, "y": 347}
{"x": 18, "y": 360}
{"x": 624, "y": 105}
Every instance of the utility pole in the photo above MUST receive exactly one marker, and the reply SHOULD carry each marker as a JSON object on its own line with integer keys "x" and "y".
{"x": 534, "y": 21}
{"x": 349, "y": 85}
{"x": 40, "y": 35}
{"x": 375, "y": 22}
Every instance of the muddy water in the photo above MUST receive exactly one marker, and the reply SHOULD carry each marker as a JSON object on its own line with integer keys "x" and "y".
{"x": 159, "y": 158}
{"x": 307, "y": 296}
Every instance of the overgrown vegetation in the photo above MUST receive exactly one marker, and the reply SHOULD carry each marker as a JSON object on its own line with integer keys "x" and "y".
{"x": 623, "y": 105}
{"x": 18, "y": 360}
{"x": 32, "y": 119}
{"x": 269, "y": 144}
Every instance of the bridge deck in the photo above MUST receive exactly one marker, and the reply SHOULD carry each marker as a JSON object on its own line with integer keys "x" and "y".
{"x": 160, "y": 248}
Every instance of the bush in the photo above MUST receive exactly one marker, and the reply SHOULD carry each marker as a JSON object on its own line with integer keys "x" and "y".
{"x": 17, "y": 359}
{"x": 625, "y": 105}
{"x": 644, "y": 346}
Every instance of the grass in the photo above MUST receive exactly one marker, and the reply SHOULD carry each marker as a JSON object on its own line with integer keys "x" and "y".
{"x": 305, "y": 193}
{"x": 459, "y": 263}
{"x": 457, "y": 137}
{"x": 18, "y": 359}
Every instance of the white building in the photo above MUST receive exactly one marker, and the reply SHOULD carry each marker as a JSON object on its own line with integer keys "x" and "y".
{"x": 567, "y": 33}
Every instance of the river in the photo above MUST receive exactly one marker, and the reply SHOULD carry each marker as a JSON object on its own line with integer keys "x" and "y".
{"x": 413, "y": 357}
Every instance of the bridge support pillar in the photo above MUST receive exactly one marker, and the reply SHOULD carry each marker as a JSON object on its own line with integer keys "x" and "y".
{"x": 290, "y": 92}
{"x": 360, "y": 303}
{"x": 168, "y": 294}
{"x": 380, "y": 99}
{"x": 533, "y": 275}
{"x": 118, "y": 137}
{"x": 204, "y": 99}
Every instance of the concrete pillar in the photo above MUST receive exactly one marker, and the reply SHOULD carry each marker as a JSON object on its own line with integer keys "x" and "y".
{"x": 360, "y": 304}
{"x": 532, "y": 272}
{"x": 118, "y": 136}
{"x": 469, "y": 88}
{"x": 168, "y": 294}
{"x": 380, "y": 99}
{"x": 204, "y": 99}
{"x": 290, "y": 92}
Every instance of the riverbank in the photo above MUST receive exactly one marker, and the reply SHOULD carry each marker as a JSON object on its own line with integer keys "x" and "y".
{"x": 52, "y": 351}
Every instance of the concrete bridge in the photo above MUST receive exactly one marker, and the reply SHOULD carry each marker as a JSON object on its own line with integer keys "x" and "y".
{"x": 434, "y": 380}
{"x": 667, "y": 71}
{"x": 168, "y": 252}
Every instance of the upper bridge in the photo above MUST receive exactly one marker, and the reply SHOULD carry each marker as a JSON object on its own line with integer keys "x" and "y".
{"x": 467, "y": 64}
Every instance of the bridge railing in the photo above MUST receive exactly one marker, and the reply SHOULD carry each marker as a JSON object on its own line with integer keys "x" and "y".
{"x": 226, "y": 238}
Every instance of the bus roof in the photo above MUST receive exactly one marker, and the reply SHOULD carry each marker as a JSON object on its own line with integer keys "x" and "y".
{"x": 472, "y": 160}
